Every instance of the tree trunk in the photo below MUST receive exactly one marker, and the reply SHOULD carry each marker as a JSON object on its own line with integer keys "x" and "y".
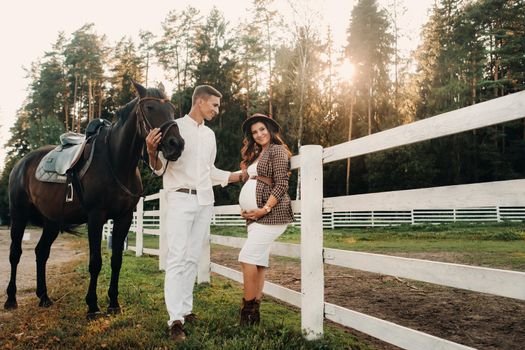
{"x": 396, "y": 58}
{"x": 474, "y": 83}
{"x": 369, "y": 110}
{"x": 75, "y": 104}
{"x": 66, "y": 109}
{"x": 147, "y": 67}
{"x": 79, "y": 109}
{"x": 100, "y": 100}
{"x": 350, "y": 125}
{"x": 270, "y": 108}
{"x": 496, "y": 76}
{"x": 90, "y": 100}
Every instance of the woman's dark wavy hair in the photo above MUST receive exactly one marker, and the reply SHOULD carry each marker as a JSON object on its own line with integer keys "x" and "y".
{"x": 250, "y": 149}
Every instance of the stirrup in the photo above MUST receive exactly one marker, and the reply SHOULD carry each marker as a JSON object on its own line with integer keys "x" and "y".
{"x": 69, "y": 193}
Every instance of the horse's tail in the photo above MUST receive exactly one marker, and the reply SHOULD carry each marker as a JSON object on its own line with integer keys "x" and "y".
{"x": 71, "y": 229}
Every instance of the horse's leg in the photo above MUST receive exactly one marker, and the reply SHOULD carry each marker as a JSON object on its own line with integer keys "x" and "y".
{"x": 18, "y": 226}
{"x": 49, "y": 234}
{"x": 96, "y": 221}
{"x": 120, "y": 231}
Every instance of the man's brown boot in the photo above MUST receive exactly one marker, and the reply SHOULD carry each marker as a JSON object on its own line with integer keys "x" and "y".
{"x": 177, "y": 333}
{"x": 190, "y": 319}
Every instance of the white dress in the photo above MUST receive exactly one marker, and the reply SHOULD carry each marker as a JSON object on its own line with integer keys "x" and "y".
{"x": 256, "y": 249}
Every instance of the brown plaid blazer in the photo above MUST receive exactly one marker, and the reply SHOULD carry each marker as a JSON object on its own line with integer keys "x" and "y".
{"x": 275, "y": 164}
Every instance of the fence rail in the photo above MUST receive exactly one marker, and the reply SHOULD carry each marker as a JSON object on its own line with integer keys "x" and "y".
{"x": 504, "y": 283}
{"x": 495, "y": 201}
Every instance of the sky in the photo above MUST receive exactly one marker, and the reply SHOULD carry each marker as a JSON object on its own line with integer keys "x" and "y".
{"x": 28, "y": 28}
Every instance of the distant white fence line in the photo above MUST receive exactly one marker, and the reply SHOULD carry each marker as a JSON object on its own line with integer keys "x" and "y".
{"x": 378, "y": 218}
{"x": 494, "y": 201}
{"x": 482, "y": 202}
{"x": 374, "y": 218}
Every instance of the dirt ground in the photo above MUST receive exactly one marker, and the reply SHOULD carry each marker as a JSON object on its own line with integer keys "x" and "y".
{"x": 64, "y": 250}
{"x": 478, "y": 320}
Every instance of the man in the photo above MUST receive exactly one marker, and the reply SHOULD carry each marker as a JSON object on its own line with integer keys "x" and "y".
{"x": 188, "y": 182}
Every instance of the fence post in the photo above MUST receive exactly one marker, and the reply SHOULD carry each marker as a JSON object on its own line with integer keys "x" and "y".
{"x": 203, "y": 273}
{"x": 139, "y": 231}
{"x": 312, "y": 272}
{"x": 109, "y": 235}
{"x": 163, "y": 239}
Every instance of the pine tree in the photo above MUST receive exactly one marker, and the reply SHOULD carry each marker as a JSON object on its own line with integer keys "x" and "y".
{"x": 217, "y": 66}
{"x": 85, "y": 55}
{"x": 145, "y": 47}
{"x": 370, "y": 50}
{"x": 176, "y": 53}
{"x": 126, "y": 67}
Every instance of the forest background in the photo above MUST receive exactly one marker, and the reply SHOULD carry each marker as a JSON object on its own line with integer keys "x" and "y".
{"x": 469, "y": 52}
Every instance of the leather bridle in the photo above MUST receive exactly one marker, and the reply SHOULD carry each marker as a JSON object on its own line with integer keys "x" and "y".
{"x": 147, "y": 127}
{"x": 146, "y": 124}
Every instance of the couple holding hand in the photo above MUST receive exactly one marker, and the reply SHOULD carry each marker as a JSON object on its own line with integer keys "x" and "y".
{"x": 264, "y": 201}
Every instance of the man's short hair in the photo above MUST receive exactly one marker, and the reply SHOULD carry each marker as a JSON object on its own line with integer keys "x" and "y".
{"x": 204, "y": 91}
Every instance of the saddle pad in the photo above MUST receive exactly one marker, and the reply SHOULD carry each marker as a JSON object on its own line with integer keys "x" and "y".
{"x": 60, "y": 159}
{"x": 44, "y": 175}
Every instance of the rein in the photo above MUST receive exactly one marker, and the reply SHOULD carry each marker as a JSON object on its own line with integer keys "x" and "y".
{"x": 165, "y": 127}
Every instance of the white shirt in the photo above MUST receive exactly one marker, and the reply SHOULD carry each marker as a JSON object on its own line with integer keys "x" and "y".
{"x": 195, "y": 168}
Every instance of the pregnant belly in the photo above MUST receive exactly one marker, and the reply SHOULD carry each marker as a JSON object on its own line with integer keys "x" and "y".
{"x": 247, "y": 199}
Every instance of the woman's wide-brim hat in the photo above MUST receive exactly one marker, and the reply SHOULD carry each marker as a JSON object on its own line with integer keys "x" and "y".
{"x": 260, "y": 118}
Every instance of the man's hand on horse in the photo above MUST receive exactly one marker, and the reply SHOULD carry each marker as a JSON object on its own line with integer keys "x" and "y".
{"x": 153, "y": 140}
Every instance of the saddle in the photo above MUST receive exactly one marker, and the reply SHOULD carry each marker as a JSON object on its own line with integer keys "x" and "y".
{"x": 55, "y": 165}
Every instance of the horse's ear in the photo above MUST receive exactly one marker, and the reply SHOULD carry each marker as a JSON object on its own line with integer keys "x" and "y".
{"x": 162, "y": 88}
{"x": 140, "y": 89}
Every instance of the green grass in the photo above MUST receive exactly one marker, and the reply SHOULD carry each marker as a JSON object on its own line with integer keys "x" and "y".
{"x": 500, "y": 245}
{"x": 149, "y": 241}
{"x": 142, "y": 325}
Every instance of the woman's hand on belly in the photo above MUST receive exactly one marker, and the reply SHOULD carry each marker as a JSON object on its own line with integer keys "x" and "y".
{"x": 254, "y": 214}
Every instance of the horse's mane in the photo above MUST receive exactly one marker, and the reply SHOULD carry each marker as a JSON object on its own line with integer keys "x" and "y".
{"x": 124, "y": 112}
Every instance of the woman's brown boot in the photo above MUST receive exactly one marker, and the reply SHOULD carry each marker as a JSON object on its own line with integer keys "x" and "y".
{"x": 256, "y": 313}
{"x": 249, "y": 312}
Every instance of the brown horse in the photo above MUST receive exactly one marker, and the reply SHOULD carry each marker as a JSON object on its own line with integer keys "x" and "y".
{"x": 111, "y": 189}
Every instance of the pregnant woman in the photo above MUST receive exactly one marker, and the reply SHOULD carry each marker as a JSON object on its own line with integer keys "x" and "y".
{"x": 264, "y": 202}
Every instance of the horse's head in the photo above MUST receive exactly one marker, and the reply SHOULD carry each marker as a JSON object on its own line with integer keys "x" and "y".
{"x": 154, "y": 110}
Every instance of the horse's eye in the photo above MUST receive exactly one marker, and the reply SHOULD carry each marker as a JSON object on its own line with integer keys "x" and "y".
{"x": 149, "y": 108}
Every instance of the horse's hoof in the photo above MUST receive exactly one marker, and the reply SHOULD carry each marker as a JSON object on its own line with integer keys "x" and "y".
{"x": 10, "y": 304}
{"x": 114, "y": 310}
{"x": 45, "y": 302}
{"x": 91, "y": 316}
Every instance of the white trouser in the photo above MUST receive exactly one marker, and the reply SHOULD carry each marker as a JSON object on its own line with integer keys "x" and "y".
{"x": 187, "y": 228}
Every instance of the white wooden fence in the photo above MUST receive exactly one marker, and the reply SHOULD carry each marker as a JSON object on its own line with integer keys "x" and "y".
{"x": 377, "y": 218}
{"x": 508, "y": 196}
